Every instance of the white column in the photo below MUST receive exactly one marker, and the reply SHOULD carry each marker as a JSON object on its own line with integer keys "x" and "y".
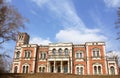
{"x": 54, "y": 67}
{"x": 61, "y": 66}
{"x": 48, "y": 66}
{"x": 68, "y": 67}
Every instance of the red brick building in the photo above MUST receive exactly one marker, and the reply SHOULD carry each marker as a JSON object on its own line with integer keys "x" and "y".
{"x": 82, "y": 59}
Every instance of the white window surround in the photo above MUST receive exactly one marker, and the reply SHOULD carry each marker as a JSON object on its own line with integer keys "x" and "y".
{"x": 96, "y": 50}
{"x": 16, "y": 56}
{"x": 114, "y": 68}
{"x": 41, "y": 68}
{"x": 26, "y": 66}
{"x": 54, "y": 51}
{"x": 14, "y": 68}
{"x": 79, "y": 66}
{"x": 66, "y": 51}
{"x": 43, "y": 55}
{"x": 97, "y": 65}
{"x": 26, "y": 54}
{"x": 79, "y": 54}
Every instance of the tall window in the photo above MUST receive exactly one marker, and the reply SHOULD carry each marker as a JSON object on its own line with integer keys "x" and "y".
{"x": 112, "y": 70}
{"x": 18, "y": 54}
{"x": 27, "y": 54}
{"x": 97, "y": 69}
{"x": 96, "y": 52}
{"x": 66, "y": 51}
{"x": 25, "y": 69}
{"x": 60, "y": 51}
{"x": 53, "y": 51}
{"x": 79, "y": 70}
{"x": 43, "y": 55}
{"x": 41, "y": 69}
{"x": 15, "y": 69}
{"x": 79, "y": 54}
{"x": 65, "y": 69}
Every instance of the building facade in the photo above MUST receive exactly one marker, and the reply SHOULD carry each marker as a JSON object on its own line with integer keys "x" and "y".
{"x": 82, "y": 59}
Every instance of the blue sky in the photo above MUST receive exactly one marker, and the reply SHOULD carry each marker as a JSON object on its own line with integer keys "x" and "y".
{"x": 76, "y": 21}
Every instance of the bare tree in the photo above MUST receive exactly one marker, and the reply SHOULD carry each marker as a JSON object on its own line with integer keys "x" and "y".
{"x": 10, "y": 22}
{"x": 5, "y": 63}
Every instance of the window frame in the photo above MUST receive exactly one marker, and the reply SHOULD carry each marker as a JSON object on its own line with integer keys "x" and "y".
{"x": 96, "y": 53}
{"x": 66, "y": 51}
{"x": 80, "y": 70}
{"x": 43, "y": 55}
{"x": 17, "y": 55}
{"x": 27, "y": 54}
{"x": 79, "y": 55}
{"x": 25, "y": 68}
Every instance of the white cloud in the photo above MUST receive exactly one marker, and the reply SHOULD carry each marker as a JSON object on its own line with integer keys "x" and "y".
{"x": 38, "y": 40}
{"x": 112, "y": 3}
{"x": 74, "y": 28}
{"x": 63, "y": 10}
{"x": 77, "y": 36}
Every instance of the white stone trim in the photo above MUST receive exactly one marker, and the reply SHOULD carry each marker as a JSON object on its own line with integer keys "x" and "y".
{"x": 105, "y": 60}
{"x": 26, "y": 64}
{"x": 97, "y": 64}
{"x": 96, "y": 49}
{"x": 88, "y": 67}
{"x": 79, "y": 68}
{"x": 34, "y": 59}
{"x": 42, "y": 65}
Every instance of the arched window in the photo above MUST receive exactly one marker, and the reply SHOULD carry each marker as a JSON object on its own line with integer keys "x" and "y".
{"x": 60, "y": 51}
{"x": 26, "y": 69}
{"x": 43, "y": 69}
{"x": 27, "y": 54}
{"x": 15, "y": 69}
{"x": 112, "y": 70}
{"x": 81, "y": 70}
{"x": 77, "y": 70}
{"x": 79, "y": 54}
{"x": 40, "y": 69}
{"x": 99, "y": 69}
{"x": 43, "y": 55}
{"x": 23, "y": 69}
{"x": 95, "y": 69}
{"x": 53, "y": 51}
{"x": 66, "y": 51}
{"x": 17, "y": 54}
{"x": 96, "y": 52}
